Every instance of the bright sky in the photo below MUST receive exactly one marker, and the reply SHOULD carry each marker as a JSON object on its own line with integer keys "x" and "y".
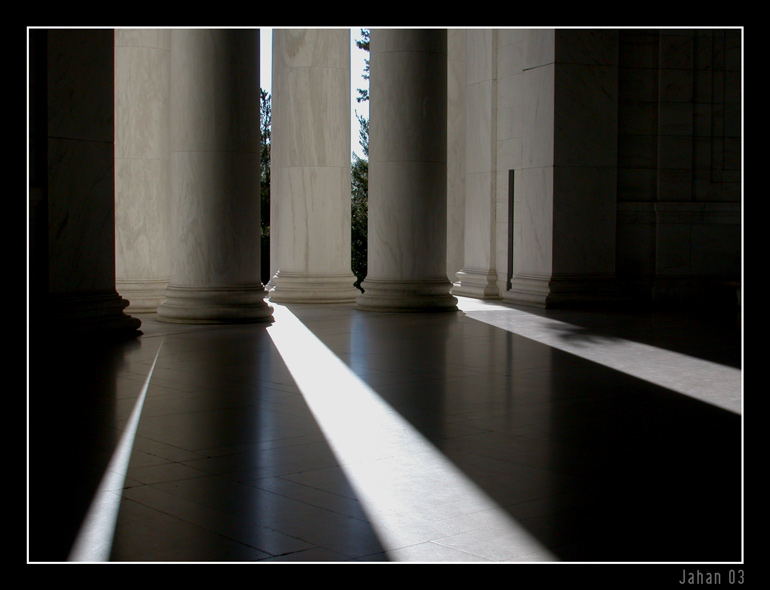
{"x": 357, "y": 64}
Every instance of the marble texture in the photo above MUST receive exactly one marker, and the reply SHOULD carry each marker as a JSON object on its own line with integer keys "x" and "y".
{"x": 590, "y": 122}
{"x": 215, "y": 270}
{"x": 407, "y": 173}
{"x": 80, "y": 184}
{"x": 310, "y": 167}
{"x": 478, "y": 277}
{"x": 510, "y": 129}
{"x": 563, "y": 419}
{"x": 456, "y": 146}
{"x": 142, "y": 177}
{"x": 565, "y": 192}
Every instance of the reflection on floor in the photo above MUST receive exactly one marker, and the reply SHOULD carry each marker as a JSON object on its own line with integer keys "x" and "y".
{"x": 492, "y": 434}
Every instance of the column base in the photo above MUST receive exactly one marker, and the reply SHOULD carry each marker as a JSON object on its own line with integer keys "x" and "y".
{"x": 313, "y": 288}
{"x": 91, "y": 314}
{"x": 215, "y": 305}
{"x": 477, "y": 284}
{"x": 553, "y": 292}
{"x": 143, "y": 296}
{"x": 409, "y": 296}
{"x": 531, "y": 291}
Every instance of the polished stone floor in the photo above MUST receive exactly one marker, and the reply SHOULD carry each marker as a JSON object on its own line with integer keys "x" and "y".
{"x": 493, "y": 434}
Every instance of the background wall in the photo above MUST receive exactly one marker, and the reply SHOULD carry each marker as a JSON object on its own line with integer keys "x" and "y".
{"x": 625, "y": 147}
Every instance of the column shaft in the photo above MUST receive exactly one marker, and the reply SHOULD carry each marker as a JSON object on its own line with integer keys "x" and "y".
{"x": 478, "y": 277}
{"x": 215, "y": 272}
{"x": 310, "y": 167}
{"x": 408, "y": 173}
{"x": 566, "y": 189}
{"x": 142, "y": 184}
{"x": 73, "y": 183}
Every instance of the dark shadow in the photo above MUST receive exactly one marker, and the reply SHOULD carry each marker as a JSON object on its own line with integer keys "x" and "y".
{"x": 709, "y": 333}
{"x": 73, "y": 429}
{"x": 230, "y": 424}
{"x": 596, "y": 464}
{"x": 219, "y": 421}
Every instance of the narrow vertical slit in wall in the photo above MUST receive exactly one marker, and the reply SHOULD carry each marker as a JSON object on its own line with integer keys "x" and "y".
{"x": 510, "y": 231}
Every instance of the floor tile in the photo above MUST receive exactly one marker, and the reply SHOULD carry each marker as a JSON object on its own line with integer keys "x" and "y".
{"x": 518, "y": 435}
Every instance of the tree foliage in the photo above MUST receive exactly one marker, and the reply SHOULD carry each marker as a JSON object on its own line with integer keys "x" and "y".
{"x": 363, "y": 43}
{"x": 359, "y": 183}
{"x": 359, "y": 177}
{"x": 265, "y": 123}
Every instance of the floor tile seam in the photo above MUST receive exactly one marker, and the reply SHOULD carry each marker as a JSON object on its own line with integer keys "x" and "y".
{"x": 567, "y": 504}
{"x": 211, "y": 530}
{"x": 183, "y": 380}
{"x": 287, "y": 477}
{"x": 157, "y": 414}
{"x": 435, "y": 542}
{"x": 577, "y": 473}
{"x": 299, "y": 551}
{"x": 178, "y": 386}
{"x": 217, "y": 399}
{"x": 223, "y": 380}
{"x": 319, "y": 505}
{"x": 161, "y": 442}
{"x": 341, "y": 465}
{"x": 280, "y": 465}
{"x": 520, "y": 520}
{"x": 271, "y": 444}
{"x": 215, "y": 509}
{"x": 132, "y": 473}
{"x": 256, "y": 446}
{"x": 487, "y": 558}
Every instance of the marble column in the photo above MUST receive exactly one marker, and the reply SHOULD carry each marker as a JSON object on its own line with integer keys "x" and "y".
{"x": 310, "y": 167}
{"x": 215, "y": 271}
{"x": 73, "y": 187}
{"x": 456, "y": 123}
{"x": 565, "y": 197}
{"x": 408, "y": 173}
{"x": 142, "y": 183}
{"x": 478, "y": 277}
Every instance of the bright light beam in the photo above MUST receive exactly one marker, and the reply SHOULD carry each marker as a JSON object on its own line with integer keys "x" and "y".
{"x": 398, "y": 476}
{"x": 706, "y": 381}
{"x": 94, "y": 539}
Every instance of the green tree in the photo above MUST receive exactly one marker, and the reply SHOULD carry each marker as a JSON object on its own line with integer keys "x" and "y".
{"x": 359, "y": 176}
{"x": 363, "y": 43}
{"x": 265, "y": 122}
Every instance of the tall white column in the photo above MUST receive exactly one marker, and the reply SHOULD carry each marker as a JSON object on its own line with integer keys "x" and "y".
{"x": 215, "y": 271}
{"x": 310, "y": 167}
{"x": 566, "y": 189}
{"x": 142, "y": 183}
{"x": 478, "y": 277}
{"x": 456, "y": 130}
{"x": 407, "y": 173}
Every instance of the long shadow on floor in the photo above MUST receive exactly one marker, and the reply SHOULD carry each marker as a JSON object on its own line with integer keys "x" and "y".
{"x": 73, "y": 414}
{"x": 221, "y": 423}
{"x": 596, "y": 464}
